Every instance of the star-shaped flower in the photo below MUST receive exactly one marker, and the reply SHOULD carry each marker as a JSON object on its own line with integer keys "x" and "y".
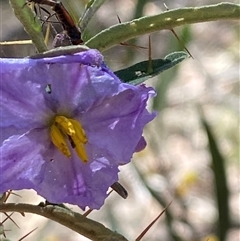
{"x": 66, "y": 124}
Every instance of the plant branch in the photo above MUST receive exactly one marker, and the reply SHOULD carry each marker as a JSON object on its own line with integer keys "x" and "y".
{"x": 166, "y": 20}
{"x": 75, "y": 221}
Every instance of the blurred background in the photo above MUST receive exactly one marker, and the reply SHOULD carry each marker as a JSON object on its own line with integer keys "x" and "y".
{"x": 177, "y": 164}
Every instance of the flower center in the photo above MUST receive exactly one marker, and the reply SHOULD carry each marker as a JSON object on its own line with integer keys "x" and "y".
{"x": 63, "y": 127}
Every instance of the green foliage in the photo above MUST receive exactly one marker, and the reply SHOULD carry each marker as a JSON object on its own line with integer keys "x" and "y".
{"x": 166, "y": 20}
{"x": 221, "y": 188}
{"x": 138, "y": 73}
{"x": 135, "y": 75}
{"x": 31, "y": 24}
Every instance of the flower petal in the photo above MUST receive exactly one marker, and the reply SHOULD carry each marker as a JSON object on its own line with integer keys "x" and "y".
{"x": 75, "y": 182}
{"x": 22, "y": 101}
{"x": 112, "y": 114}
{"x": 21, "y": 164}
{"x": 77, "y": 90}
{"x": 117, "y": 123}
{"x": 87, "y": 57}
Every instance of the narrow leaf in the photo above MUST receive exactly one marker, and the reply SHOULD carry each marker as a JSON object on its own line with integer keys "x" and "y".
{"x": 31, "y": 23}
{"x": 138, "y": 73}
{"x": 91, "y": 8}
{"x": 220, "y": 182}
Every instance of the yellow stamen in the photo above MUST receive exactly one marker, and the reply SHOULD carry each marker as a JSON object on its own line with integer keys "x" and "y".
{"x": 80, "y": 133}
{"x": 65, "y": 124}
{"x": 81, "y": 152}
{"x": 59, "y": 140}
{"x": 63, "y": 127}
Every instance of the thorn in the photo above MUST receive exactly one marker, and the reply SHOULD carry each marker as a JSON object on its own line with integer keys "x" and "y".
{"x": 132, "y": 45}
{"x": 11, "y": 192}
{"x": 181, "y": 43}
{"x": 119, "y": 20}
{"x": 151, "y": 224}
{"x": 90, "y": 210}
{"x": 6, "y": 196}
{"x": 3, "y": 198}
{"x": 165, "y": 5}
{"x": 27, "y": 234}
{"x": 150, "y": 67}
{"x": 176, "y": 36}
{"x": 2, "y": 230}
{"x": 127, "y": 44}
{"x": 87, "y": 212}
{"x": 9, "y": 217}
{"x": 1, "y": 223}
{"x": 110, "y": 192}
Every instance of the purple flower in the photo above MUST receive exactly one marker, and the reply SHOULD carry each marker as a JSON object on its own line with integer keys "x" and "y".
{"x": 67, "y": 123}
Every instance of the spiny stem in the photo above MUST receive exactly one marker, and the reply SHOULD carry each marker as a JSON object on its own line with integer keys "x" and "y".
{"x": 75, "y": 221}
{"x": 166, "y": 20}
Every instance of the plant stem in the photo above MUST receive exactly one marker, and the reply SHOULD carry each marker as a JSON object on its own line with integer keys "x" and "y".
{"x": 166, "y": 20}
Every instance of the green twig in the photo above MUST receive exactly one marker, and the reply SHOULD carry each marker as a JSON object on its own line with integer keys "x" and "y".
{"x": 75, "y": 221}
{"x": 166, "y": 20}
{"x": 31, "y": 23}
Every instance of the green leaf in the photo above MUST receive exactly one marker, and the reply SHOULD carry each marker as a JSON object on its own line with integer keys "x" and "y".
{"x": 31, "y": 23}
{"x": 91, "y": 8}
{"x": 138, "y": 73}
{"x": 220, "y": 179}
